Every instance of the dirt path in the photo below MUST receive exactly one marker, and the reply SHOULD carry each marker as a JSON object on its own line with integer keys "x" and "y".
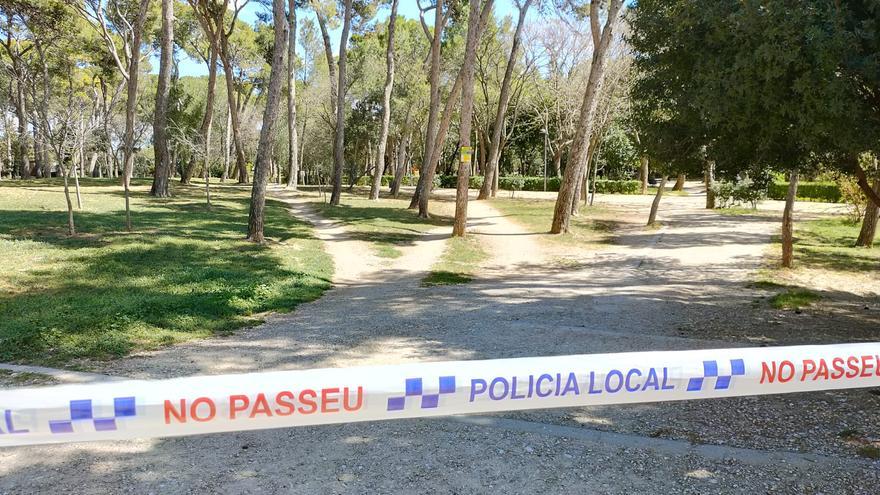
{"x": 677, "y": 288}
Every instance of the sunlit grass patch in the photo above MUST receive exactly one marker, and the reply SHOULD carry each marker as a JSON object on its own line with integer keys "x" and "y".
{"x": 794, "y": 299}
{"x": 460, "y": 261}
{"x": 594, "y": 225}
{"x": 185, "y": 271}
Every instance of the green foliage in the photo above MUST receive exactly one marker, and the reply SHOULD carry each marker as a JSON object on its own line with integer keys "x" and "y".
{"x": 828, "y": 192}
{"x": 185, "y": 273}
{"x": 794, "y": 299}
{"x": 525, "y": 183}
{"x": 730, "y": 194}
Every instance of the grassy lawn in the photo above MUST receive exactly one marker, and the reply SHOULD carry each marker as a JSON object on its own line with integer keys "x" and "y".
{"x": 184, "y": 273}
{"x": 595, "y": 224}
{"x": 829, "y": 243}
{"x": 460, "y": 260}
{"x": 386, "y": 224}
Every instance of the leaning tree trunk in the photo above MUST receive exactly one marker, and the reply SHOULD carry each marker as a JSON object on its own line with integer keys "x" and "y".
{"x": 655, "y": 205}
{"x": 459, "y": 226}
{"x": 292, "y": 141}
{"x": 433, "y": 105}
{"x": 267, "y": 135}
{"x": 489, "y": 179}
{"x": 232, "y": 101}
{"x": 339, "y": 148}
{"x": 788, "y": 222}
{"x": 160, "y": 116}
{"x": 386, "y": 106}
{"x": 869, "y": 223}
{"x": 71, "y": 227}
{"x": 580, "y": 145}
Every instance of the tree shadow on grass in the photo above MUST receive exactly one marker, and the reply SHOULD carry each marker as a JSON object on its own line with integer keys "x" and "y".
{"x": 182, "y": 275}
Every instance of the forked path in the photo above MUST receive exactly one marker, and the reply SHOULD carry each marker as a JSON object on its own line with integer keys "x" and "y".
{"x": 651, "y": 290}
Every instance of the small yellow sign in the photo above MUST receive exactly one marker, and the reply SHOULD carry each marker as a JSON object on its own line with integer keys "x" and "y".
{"x": 466, "y": 153}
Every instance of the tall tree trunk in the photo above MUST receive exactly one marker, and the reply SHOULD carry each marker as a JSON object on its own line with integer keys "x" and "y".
{"x": 386, "y": 105}
{"x": 227, "y": 146}
{"x": 22, "y": 141}
{"x": 710, "y": 184}
{"x": 788, "y": 222}
{"x": 232, "y": 101}
{"x": 655, "y": 205}
{"x": 869, "y": 223}
{"x": 643, "y": 173}
{"x": 459, "y": 226}
{"x": 267, "y": 134}
{"x": 292, "y": 138}
{"x": 71, "y": 227}
{"x": 160, "y": 117}
{"x": 679, "y": 183}
{"x": 426, "y": 179}
{"x": 339, "y": 149}
{"x": 433, "y": 104}
{"x": 131, "y": 107}
{"x": 503, "y": 101}
{"x": 400, "y": 169}
{"x": 601, "y": 42}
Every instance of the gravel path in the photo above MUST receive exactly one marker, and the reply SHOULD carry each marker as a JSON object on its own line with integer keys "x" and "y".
{"x": 680, "y": 287}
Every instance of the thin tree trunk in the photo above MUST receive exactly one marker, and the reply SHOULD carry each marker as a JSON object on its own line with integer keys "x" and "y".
{"x": 22, "y": 141}
{"x": 643, "y": 174}
{"x": 710, "y": 185}
{"x": 501, "y": 111}
{"x": 256, "y": 218}
{"x": 160, "y": 117}
{"x": 292, "y": 138}
{"x": 400, "y": 170}
{"x": 71, "y": 227}
{"x": 386, "y": 105}
{"x": 227, "y": 146}
{"x": 869, "y": 223}
{"x": 339, "y": 149}
{"x": 655, "y": 205}
{"x": 232, "y": 101}
{"x": 788, "y": 222}
{"x": 459, "y": 226}
{"x": 131, "y": 107}
{"x": 433, "y": 104}
{"x": 580, "y": 145}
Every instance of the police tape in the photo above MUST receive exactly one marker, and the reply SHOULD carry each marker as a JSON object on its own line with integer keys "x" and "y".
{"x": 208, "y": 404}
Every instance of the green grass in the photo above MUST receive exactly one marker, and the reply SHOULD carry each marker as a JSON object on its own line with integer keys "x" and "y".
{"x": 594, "y": 225}
{"x": 461, "y": 258}
{"x": 652, "y": 191}
{"x": 386, "y": 224}
{"x": 869, "y": 451}
{"x": 184, "y": 273}
{"x": 794, "y": 299}
{"x": 829, "y": 243}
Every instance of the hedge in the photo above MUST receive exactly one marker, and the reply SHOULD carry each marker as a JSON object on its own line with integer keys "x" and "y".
{"x": 537, "y": 184}
{"x": 386, "y": 180}
{"x": 828, "y": 192}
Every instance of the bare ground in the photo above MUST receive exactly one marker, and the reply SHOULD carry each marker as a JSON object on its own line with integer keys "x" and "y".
{"x": 683, "y": 286}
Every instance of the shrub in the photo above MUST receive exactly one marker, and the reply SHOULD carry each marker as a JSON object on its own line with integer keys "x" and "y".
{"x": 618, "y": 187}
{"x": 828, "y": 192}
{"x": 728, "y": 194}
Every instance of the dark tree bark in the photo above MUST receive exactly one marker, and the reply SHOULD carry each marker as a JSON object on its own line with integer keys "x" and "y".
{"x": 788, "y": 222}
{"x": 267, "y": 135}
{"x": 575, "y": 169}
{"x": 869, "y": 223}
{"x": 386, "y": 105}
{"x": 292, "y": 138}
{"x": 503, "y": 101}
{"x": 459, "y": 226}
{"x": 339, "y": 146}
{"x": 160, "y": 116}
{"x": 710, "y": 184}
{"x": 655, "y": 205}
